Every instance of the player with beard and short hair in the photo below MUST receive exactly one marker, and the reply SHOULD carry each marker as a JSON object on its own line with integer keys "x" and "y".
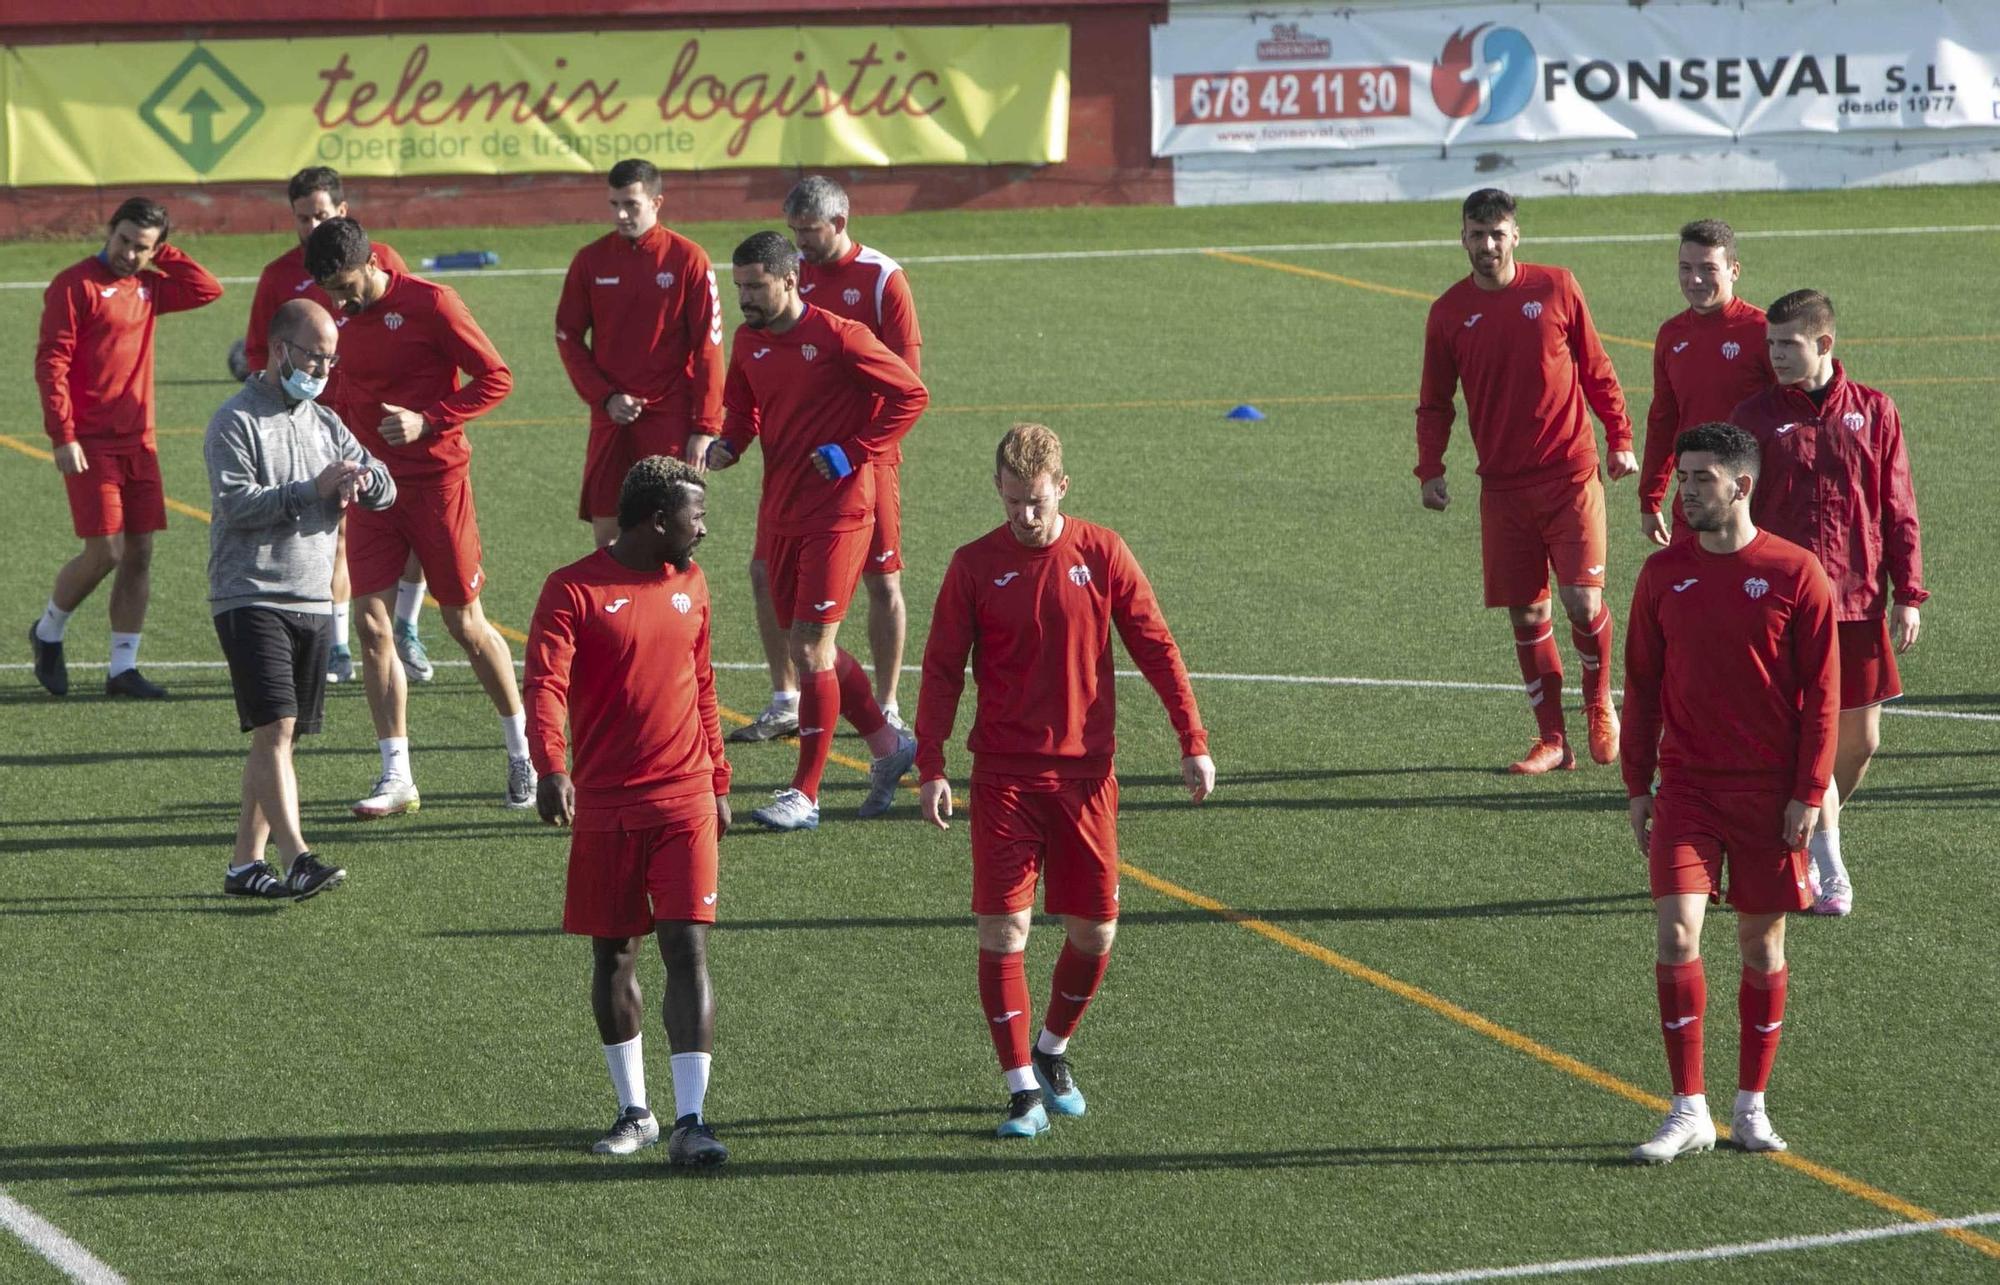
{"x": 849, "y": 280}
{"x": 94, "y": 368}
{"x": 1706, "y": 358}
{"x": 402, "y": 346}
{"x": 828, "y": 402}
{"x": 639, "y": 329}
{"x": 1520, "y": 339}
{"x": 1731, "y": 692}
{"x": 1032, "y": 605}
{"x": 1837, "y": 481}
{"x": 619, "y": 650}
{"x": 314, "y": 195}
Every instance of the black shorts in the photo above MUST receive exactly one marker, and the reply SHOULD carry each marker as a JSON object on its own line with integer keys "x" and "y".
{"x": 277, "y": 664}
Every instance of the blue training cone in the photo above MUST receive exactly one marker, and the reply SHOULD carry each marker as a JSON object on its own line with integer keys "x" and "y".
{"x": 1245, "y": 411}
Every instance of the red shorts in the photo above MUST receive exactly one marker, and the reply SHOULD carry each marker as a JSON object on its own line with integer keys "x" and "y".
{"x": 615, "y": 448}
{"x": 632, "y": 867}
{"x": 433, "y": 518}
{"x": 1525, "y": 532}
{"x": 812, "y": 577}
{"x": 885, "y": 547}
{"x": 1693, "y": 831}
{"x": 1064, "y": 831}
{"x": 120, "y": 491}
{"x": 1867, "y": 664}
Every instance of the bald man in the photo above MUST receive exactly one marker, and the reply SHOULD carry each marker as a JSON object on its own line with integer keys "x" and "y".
{"x": 281, "y": 468}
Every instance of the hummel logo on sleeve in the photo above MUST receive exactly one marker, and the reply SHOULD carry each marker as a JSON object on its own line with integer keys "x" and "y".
{"x": 612, "y": 607}
{"x": 1004, "y": 580}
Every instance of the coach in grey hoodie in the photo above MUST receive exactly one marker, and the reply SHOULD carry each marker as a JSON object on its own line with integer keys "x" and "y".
{"x": 281, "y": 467}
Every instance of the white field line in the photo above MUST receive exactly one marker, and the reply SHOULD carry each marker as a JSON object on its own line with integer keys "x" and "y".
{"x": 1294, "y": 247}
{"x": 1783, "y": 1245}
{"x": 1293, "y": 680}
{"x": 47, "y": 1239}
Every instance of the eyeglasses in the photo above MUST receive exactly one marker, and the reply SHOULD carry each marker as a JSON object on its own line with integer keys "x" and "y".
{"x": 306, "y": 357}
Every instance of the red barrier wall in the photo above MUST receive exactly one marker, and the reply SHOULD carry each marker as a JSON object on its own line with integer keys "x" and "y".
{"x": 1110, "y": 150}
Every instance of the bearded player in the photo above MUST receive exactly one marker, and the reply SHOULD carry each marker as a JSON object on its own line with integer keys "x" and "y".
{"x": 1032, "y": 604}
{"x": 1519, "y": 337}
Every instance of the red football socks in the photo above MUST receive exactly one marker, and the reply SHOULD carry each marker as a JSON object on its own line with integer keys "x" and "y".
{"x": 1593, "y": 645}
{"x": 1760, "y": 1005}
{"x": 1541, "y": 671}
{"x": 1003, "y": 994}
{"x": 857, "y": 695}
{"x": 1076, "y": 981}
{"x": 819, "y": 708}
{"x": 1683, "y": 997}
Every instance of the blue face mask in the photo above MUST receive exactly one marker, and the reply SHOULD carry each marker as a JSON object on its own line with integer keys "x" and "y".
{"x": 299, "y": 385}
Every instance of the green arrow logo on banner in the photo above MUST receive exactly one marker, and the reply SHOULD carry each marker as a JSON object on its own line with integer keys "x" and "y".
{"x": 198, "y": 98}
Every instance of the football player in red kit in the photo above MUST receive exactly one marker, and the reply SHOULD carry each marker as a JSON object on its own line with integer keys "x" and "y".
{"x": 639, "y": 329}
{"x": 827, "y": 401}
{"x": 1032, "y": 604}
{"x": 1706, "y": 359}
{"x": 1837, "y": 480}
{"x": 94, "y": 369}
{"x": 1519, "y": 337}
{"x": 1732, "y": 684}
{"x": 618, "y": 651}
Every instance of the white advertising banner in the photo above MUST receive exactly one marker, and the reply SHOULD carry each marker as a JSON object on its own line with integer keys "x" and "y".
{"x": 1471, "y": 76}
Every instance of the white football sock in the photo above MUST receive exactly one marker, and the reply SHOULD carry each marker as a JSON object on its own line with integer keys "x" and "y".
{"x": 1022, "y": 1078}
{"x": 690, "y": 1083}
{"x": 395, "y": 757}
{"x": 1691, "y": 1103}
{"x": 628, "y": 1072}
{"x": 1050, "y": 1043}
{"x": 1825, "y": 849}
{"x": 340, "y": 614}
{"x": 53, "y": 623}
{"x": 124, "y": 653}
{"x": 784, "y": 700}
{"x": 1748, "y": 1101}
{"x": 409, "y": 601}
{"x": 515, "y": 728}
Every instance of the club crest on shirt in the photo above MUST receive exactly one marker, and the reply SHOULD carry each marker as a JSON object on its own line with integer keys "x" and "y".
{"x": 683, "y": 603}
{"x": 808, "y": 351}
{"x": 1854, "y": 421}
{"x": 1730, "y": 348}
{"x": 1531, "y": 309}
{"x": 1079, "y": 574}
{"x": 664, "y": 280}
{"x": 394, "y": 321}
{"x": 1756, "y": 586}
{"x": 145, "y": 293}
{"x": 850, "y": 296}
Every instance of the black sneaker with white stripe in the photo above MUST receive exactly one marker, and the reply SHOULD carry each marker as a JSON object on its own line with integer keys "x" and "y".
{"x": 310, "y": 876}
{"x": 255, "y": 880}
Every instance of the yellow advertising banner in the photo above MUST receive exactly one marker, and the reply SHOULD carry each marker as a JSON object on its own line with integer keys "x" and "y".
{"x": 515, "y": 103}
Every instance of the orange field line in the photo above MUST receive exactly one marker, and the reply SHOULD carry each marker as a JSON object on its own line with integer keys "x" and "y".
{"x": 1536, "y": 1049}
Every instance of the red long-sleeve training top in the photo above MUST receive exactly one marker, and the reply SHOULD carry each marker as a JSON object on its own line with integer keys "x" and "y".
{"x": 622, "y": 656}
{"x": 285, "y": 278}
{"x": 1836, "y": 480}
{"x": 94, "y": 362}
{"x": 1037, "y": 624}
{"x": 1732, "y": 671}
{"x": 407, "y": 350}
{"x": 643, "y": 318}
{"x": 1704, "y": 366}
{"x": 1530, "y": 360}
{"x": 826, "y": 380}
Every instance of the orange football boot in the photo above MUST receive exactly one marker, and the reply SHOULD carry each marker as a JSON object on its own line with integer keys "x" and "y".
{"x": 1545, "y": 756}
{"x": 1603, "y": 732}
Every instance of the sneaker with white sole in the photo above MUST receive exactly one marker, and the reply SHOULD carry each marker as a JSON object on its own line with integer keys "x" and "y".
{"x": 391, "y": 795}
{"x": 771, "y": 723}
{"x": 788, "y": 809}
{"x": 1684, "y": 1133}
{"x": 410, "y": 650}
{"x": 257, "y": 879}
{"x": 885, "y": 775}
{"x": 521, "y": 782}
{"x": 340, "y": 665}
{"x": 635, "y": 1127}
{"x": 310, "y": 876}
{"x": 693, "y": 1144}
{"x": 1751, "y": 1130}
{"x": 1835, "y": 897}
